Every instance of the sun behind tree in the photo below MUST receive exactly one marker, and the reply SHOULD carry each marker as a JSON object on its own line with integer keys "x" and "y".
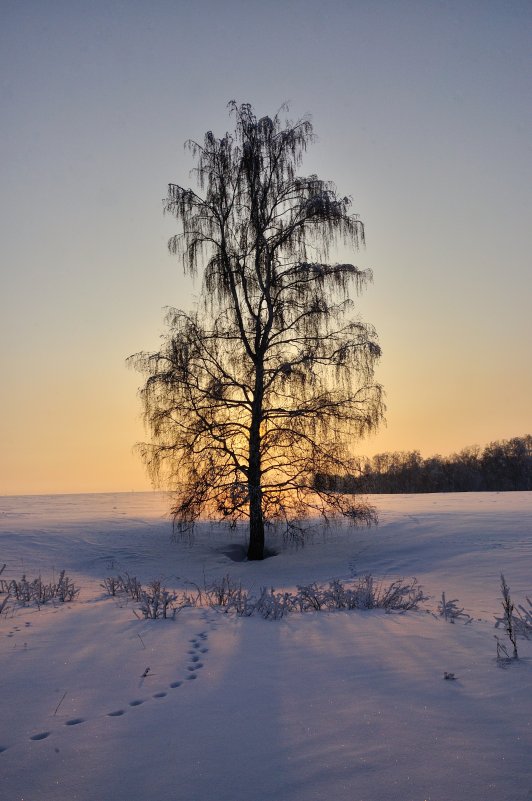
{"x": 269, "y": 381}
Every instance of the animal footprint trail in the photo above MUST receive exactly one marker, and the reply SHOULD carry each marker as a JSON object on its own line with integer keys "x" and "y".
{"x": 198, "y": 647}
{"x": 194, "y": 664}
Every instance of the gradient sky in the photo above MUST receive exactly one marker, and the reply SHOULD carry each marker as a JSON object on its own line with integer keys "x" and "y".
{"x": 424, "y": 115}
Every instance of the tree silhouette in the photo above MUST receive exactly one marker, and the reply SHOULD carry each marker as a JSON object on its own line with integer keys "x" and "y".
{"x": 269, "y": 381}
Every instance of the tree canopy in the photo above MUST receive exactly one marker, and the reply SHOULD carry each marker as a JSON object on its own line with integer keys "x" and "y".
{"x": 270, "y": 379}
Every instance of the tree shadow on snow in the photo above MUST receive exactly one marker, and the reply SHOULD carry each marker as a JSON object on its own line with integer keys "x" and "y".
{"x": 237, "y": 552}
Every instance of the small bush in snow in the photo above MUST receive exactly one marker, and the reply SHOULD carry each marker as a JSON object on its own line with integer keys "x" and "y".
{"x": 310, "y": 598}
{"x": 65, "y": 590}
{"x": 450, "y": 611}
{"x": 503, "y": 657}
{"x": 523, "y": 619}
{"x": 399, "y": 596}
{"x": 274, "y": 605}
{"x": 29, "y": 592}
{"x": 156, "y": 602}
{"x": 132, "y": 586}
{"x": 112, "y": 585}
{"x": 507, "y": 619}
{"x": 223, "y": 592}
{"x": 4, "y": 604}
{"x": 362, "y": 593}
{"x": 126, "y": 584}
{"x": 515, "y": 621}
{"x": 228, "y": 595}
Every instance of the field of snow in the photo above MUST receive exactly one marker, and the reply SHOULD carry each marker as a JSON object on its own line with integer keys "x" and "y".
{"x": 339, "y": 706}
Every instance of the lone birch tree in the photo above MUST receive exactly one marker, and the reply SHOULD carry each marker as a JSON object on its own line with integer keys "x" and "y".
{"x": 269, "y": 381}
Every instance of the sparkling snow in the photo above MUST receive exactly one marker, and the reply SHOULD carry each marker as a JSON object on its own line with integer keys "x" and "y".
{"x": 346, "y": 706}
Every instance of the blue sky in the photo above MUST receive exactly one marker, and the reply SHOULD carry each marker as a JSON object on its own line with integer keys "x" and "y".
{"x": 423, "y": 114}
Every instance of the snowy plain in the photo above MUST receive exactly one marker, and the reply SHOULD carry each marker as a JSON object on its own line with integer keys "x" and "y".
{"x": 346, "y": 706}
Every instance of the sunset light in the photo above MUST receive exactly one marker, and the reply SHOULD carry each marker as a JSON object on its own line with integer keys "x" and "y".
{"x": 420, "y": 115}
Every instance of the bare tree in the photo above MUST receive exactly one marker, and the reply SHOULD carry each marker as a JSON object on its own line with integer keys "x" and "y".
{"x": 269, "y": 381}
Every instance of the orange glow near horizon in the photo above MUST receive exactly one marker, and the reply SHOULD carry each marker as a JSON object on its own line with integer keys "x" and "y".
{"x": 431, "y": 140}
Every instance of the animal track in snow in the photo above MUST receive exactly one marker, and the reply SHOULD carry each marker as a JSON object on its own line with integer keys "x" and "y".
{"x": 197, "y": 647}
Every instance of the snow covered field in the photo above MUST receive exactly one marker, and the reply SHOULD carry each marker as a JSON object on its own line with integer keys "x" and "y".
{"x": 346, "y": 706}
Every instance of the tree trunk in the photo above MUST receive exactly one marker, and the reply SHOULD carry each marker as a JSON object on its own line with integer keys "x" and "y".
{"x": 256, "y": 525}
{"x": 256, "y": 519}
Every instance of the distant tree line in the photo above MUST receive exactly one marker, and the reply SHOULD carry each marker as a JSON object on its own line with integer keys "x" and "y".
{"x": 501, "y": 466}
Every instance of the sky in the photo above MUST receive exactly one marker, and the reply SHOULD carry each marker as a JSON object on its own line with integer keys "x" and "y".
{"x": 423, "y": 114}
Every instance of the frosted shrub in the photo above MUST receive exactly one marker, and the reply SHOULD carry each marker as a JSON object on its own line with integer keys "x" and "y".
{"x": 156, "y": 602}
{"x": 366, "y": 593}
{"x": 4, "y": 588}
{"x": 274, "y": 605}
{"x": 64, "y": 590}
{"x": 20, "y": 590}
{"x": 450, "y": 611}
{"x": 3, "y": 604}
{"x": 310, "y": 598}
{"x": 28, "y": 592}
{"x": 224, "y": 592}
{"x": 132, "y": 587}
{"x": 126, "y": 584}
{"x": 517, "y": 622}
{"x": 507, "y": 619}
{"x": 362, "y": 593}
{"x": 112, "y": 585}
{"x": 228, "y": 595}
{"x": 523, "y": 619}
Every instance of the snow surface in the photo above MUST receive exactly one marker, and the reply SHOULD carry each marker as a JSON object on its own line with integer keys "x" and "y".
{"x": 347, "y": 706}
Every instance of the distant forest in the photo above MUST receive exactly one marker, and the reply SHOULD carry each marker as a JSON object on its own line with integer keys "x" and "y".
{"x": 501, "y": 466}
